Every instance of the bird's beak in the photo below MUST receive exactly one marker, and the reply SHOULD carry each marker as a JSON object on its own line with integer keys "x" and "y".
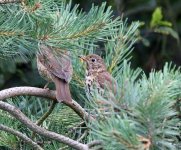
{"x": 82, "y": 58}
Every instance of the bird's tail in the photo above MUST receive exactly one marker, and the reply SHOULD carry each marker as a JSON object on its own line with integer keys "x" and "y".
{"x": 62, "y": 90}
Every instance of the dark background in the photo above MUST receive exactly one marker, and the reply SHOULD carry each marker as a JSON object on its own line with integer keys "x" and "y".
{"x": 161, "y": 47}
{"x": 151, "y": 51}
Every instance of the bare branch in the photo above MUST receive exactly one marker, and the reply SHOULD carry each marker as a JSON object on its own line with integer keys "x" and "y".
{"x": 40, "y": 121}
{"x": 94, "y": 143}
{"x": 15, "y": 112}
{"x": 33, "y": 91}
{"x": 81, "y": 137}
{"x": 21, "y": 136}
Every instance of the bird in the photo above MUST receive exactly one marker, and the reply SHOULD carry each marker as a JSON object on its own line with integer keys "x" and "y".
{"x": 97, "y": 75}
{"x": 54, "y": 69}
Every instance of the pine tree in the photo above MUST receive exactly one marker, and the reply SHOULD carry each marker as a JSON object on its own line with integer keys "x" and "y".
{"x": 145, "y": 114}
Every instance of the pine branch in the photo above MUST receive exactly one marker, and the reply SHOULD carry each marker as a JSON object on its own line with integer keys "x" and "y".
{"x": 42, "y": 119}
{"x": 120, "y": 45}
{"x": 33, "y": 91}
{"x": 20, "y": 135}
{"x": 25, "y": 26}
{"x": 94, "y": 143}
{"x": 153, "y": 120}
{"x": 15, "y": 112}
{"x": 79, "y": 139}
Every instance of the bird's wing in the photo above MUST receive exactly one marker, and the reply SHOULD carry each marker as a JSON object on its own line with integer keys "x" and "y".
{"x": 105, "y": 80}
{"x": 61, "y": 68}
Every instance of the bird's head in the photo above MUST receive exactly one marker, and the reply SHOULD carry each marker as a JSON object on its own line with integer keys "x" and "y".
{"x": 94, "y": 62}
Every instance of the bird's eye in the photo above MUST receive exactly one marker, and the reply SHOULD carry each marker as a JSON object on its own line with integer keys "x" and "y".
{"x": 93, "y": 60}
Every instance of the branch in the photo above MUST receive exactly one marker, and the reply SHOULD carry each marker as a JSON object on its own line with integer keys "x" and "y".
{"x": 33, "y": 91}
{"x": 40, "y": 121}
{"x": 94, "y": 143}
{"x": 21, "y": 136}
{"x": 15, "y": 112}
{"x": 81, "y": 137}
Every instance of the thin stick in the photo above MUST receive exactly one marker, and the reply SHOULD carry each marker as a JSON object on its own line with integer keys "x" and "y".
{"x": 33, "y": 91}
{"x": 21, "y": 136}
{"x": 15, "y": 112}
{"x": 81, "y": 137}
{"x": 42, "y": 119}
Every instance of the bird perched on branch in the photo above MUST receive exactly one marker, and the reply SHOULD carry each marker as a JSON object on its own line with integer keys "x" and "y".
{"x": 97, "y": 76}
{"x": 56, "y": 69}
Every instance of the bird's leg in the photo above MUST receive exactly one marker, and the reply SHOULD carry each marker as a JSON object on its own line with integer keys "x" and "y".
{"x": 45, "y": 87}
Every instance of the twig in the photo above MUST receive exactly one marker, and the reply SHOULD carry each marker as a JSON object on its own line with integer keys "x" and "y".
{"x": 33, "y": 91}
{"x": 94, "y": 143}
{"x": 15, "y": 112}
{"x": 71, "y": 130}
{"x": 40, "y": 121}
{"x": 21, "y": 136}
{"x": 81, "y": 137}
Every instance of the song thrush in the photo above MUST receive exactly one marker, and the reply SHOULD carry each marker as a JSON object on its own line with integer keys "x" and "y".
{"x": 56, "y": 69}
{"x": 97, "y": 75}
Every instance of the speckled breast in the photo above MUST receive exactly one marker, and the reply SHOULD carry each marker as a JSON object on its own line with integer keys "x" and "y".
{"x": 44, "y": 73}
{"x": 91, "y": 83}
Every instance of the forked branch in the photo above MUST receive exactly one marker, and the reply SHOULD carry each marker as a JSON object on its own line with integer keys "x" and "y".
{"x": 33, "y": 91}
{"x": 45, "y": 116}
{"x": 21, "y": 136}
{"x": 15, "y": 112}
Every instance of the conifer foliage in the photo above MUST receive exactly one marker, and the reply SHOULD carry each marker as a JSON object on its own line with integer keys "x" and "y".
{"x": 143, "y": 115}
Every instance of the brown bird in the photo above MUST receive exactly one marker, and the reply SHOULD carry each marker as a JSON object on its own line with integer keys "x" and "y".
{"x": 56, "y": 69}
{"x": 97, "y": 75}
